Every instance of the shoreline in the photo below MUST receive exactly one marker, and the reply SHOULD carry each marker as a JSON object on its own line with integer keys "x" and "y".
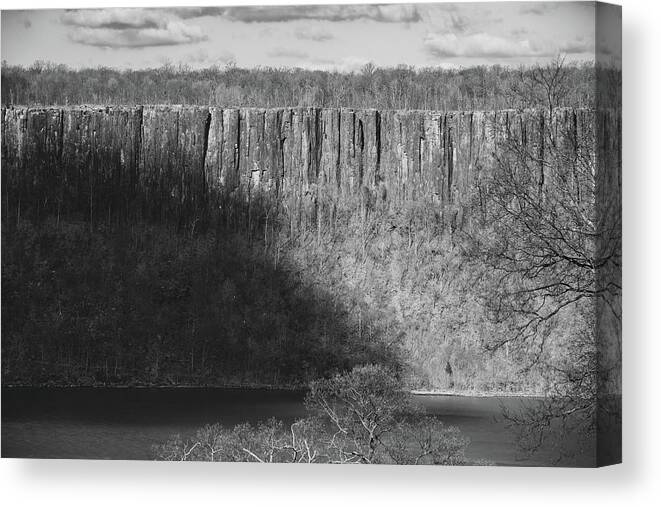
{"x": 271, "y": 387}
{"x": 476, "y": 394}
{"x": 238, "y": 387}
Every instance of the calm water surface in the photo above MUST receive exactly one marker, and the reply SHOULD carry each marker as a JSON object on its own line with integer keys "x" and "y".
{"x": 124, "y": 423}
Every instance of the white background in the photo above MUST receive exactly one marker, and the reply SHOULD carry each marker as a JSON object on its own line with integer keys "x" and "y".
{"x": 636, "y": 482}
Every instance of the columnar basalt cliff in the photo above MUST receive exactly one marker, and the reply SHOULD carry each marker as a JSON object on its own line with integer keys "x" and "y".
{"x": 198, "y": 245}
{"x": 163, "y": 160}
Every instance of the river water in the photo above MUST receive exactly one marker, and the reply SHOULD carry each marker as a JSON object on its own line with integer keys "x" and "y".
{"x": 124, "y": 423}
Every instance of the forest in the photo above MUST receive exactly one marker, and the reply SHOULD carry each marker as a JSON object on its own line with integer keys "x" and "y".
{"x": 402, "y": 87}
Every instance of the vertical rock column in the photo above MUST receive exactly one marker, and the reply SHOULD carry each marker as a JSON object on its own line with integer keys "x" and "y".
{"x": 14, "y": 130}
{"x": 80, "y": 160}
{"x": 40, "y": 180}
{"x": 194, "y": 126}
{"x": 251, "y": 167}
{"x": 433, "y": 177}
{"x": 111, "y": 147}
{"x": 403, "y": 143}
{"x": 224, "y": 193}
{"x": 231, "y": 150}
{"x": 213, "y": 160}
{"x": 462, "y": 128}
{"x": 311, "y": 154}
{"x": 411, "y": 136}
{"x": 301, "y": 132}
{"x": 159, "y": 183}
{"x": 172, "y": 163}
{"x": 348, "y": 178}
{"x": 389, "y": 166}
{"x": 482, "y": 153}
{"x": 273, "y": 163}
{"x": 330, "y": 174}
{"x": 367, "y": 147}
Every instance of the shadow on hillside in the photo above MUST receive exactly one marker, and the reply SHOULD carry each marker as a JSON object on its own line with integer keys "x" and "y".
{"x": 190, "y": 300}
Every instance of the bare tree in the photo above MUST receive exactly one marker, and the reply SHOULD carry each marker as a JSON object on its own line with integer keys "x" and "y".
{"x": 543, "y": 84}
{"x": 553, "y": 244}
{"x": 360, "y": 417}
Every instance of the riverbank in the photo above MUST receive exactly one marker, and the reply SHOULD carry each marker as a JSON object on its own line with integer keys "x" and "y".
{"x": 477, "y": 394}
{"x": 267, "y": 387}
{"x": 142, "y": 385}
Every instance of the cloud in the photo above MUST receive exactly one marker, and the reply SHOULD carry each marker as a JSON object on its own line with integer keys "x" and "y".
{"x": 308, "y": 33}
{"x": 194, "y": 12}
{"x": 288, "y": 53}
{"x": 130, "y": 28}
{"x": 477, "y": 45}
{"x": 172, "y": 34}
{"x": 254, "y": 14}
{"x": 485, "y": 45}
{"x": 142, "y": 27}
{"x": 277, "y": 14}
{"x": 115, "y": 19}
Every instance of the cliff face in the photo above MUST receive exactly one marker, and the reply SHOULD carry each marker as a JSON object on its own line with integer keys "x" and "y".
{"x": 171, "y": 159}
{"x": 163, "y": 162}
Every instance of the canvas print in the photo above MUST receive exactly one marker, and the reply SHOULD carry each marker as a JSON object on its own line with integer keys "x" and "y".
{"x": 350, "y": 234}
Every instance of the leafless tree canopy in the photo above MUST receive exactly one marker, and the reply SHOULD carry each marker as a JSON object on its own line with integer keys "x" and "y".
{"x": 552, "y": 238}
{"x": 360, "y": 417}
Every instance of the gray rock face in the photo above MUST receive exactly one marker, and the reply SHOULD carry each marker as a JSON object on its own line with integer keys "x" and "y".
{"x": 164, "y": 160}
{"x": 172, "y": 163}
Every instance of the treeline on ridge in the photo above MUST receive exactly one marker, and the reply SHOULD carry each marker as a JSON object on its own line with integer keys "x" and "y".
{"x": 401, "y": 87}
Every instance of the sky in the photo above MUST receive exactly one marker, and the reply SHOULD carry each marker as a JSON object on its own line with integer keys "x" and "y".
{"x": 342, "y": 37}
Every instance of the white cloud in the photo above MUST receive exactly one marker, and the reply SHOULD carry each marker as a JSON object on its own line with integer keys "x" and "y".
{"x": 116, "y": 19}
{"x": 485, "y": 45}
{"x": 276, "y": 14}
{"x": 172, "y": 33}
{"x": 130, "y": 28}
{"x": 476, "y": 45}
